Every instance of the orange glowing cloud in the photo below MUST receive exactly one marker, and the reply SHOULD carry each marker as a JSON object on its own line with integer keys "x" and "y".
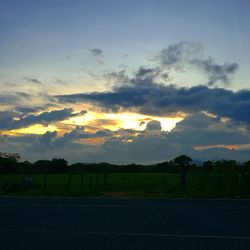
{"x": 229, "y": 147}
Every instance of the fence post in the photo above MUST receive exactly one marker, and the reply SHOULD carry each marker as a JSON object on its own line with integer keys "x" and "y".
{"x": 148, "y": 179}
{"x": 97, "y": 179}
{"x": 104, "y": 178}
{"x": 90, "y": 179}
{"x": 81, "y": 181}
{"x": 45, "y": 173}
{"x": 122, "y": 179}
{"x": 69, "y": 180}
{"x": 135, "y": 179}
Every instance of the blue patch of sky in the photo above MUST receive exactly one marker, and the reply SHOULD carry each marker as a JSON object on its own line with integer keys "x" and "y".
{"x": 43, "y": 32}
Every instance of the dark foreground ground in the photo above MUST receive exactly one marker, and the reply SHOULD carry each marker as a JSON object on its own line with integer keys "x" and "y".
{"x": 115, "y": 224}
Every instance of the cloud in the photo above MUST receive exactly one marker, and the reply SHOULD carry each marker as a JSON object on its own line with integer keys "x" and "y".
{"x": 48, "y": 138}
{"x": 27, "y": 110}
{"x": 176, "y": 55}
{"x": 8, "y": 84}
{"x": 216, "y": 72}
{"x": 225, "y": 146}
{"x": 146, "y": 76}
{"x": 13, "y": 98}
{"x": 158, "y": 99}
{"x": 118, "y": 78}
{"x": 153, "y": 125}
{"x": 12, "y": 120}
{"x": 195, "y": 130}
{"x": 98, "y": 54}
{"x": 187, "y": 53}
{"x": 22, "y": 102}
{"x": 60, "y": 81}
{"x": 51, "y": 139}
{"x": 143, "y": 92}
{"x": 148, "y": 146}
{"x": 6, "y": 118}
{"x": 32, "y": 80}
{"x": 103, "y": 122}
{"x": 32, "y": 147}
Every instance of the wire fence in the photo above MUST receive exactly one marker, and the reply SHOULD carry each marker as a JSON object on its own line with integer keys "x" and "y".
{"x": 87, "y": 181}
{"x": 198, "y": 184}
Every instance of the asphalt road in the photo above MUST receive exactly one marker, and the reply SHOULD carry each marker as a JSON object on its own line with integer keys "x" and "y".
{"x": 99, "y": 223}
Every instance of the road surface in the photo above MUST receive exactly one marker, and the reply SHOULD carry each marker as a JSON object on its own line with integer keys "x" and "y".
{"x": 116, "y": 224}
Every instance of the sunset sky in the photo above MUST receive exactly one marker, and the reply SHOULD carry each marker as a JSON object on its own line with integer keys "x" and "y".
{"x": 125, "y": 81}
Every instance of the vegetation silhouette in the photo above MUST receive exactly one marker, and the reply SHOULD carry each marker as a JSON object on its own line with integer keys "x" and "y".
{"x": 183, "y": 163}
{"x": 223, "y": 178}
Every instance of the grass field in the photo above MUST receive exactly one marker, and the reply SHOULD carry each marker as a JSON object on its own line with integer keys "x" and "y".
{"x": 94, "y": 184}
{"x": 163, "y": 185}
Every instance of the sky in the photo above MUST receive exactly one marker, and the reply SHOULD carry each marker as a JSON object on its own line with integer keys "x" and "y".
{"x": 125, "y": 81}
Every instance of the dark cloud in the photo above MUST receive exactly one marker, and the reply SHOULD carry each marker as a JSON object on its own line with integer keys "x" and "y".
{"x": 181, "y": 53}
{"x": 188, "y": 53}
{"x": 51, "y": 139}
{"x": 98, "y": 54}
{"x": 22, "y": 102}
{"x": 11, "y": 120}
{"x": 126, "y": 146}
{"x": 216, "y": 72}
{"x": 143, "y": 93}
{"x": 147, "y": 76}
{"x": 48, "y": 138}
{"x": 195, "y": 130}
{"x": 13, "y": 97}
{"x": 143, "y": 77}
{"x": 158, "y": 99}
{"x": 7, "y": 118}
{"x": 178, "y": 56}
{"x": 32, "y": 80}
{"x": 26, "y": 110}
{"x": 153, "y": 125}
{"x": 118, "y": 78}
{"x": 35, "y": 147}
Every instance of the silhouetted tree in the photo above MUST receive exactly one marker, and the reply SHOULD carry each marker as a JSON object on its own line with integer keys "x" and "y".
{"x": 183, "y": 163}
{"x": 9, "y": 162}
{"x": 42, "y": 166}
{"x": 245, "y": 173}
{"x": 11, "y": 156}
{"x": 207, "y": 167}
{"x": 59, "y": 165}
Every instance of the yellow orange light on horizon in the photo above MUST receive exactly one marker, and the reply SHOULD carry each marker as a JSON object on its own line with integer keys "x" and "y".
{"x": 124, "y": 120}
{"x": 98, "y": 121}
{"x": 34, "y": 129}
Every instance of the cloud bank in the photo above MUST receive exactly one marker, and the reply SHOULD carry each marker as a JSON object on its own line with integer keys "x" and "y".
{"x": 158, "y": 99}
{"x": 11, "y": 120}
{"x": 148, "y": 146}
{"x": 216, "y": 124}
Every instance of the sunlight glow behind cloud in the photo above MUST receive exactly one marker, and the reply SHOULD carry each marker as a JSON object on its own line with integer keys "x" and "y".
{"x": 34, "y": 129}
{"x": 124, "y": 120}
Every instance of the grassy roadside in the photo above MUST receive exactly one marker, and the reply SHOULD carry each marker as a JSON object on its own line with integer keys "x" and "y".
{"x": 145, "y": 185}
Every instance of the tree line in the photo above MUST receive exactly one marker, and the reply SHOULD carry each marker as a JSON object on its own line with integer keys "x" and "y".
{"x": 221, "y": 174}
{"x": 10, "y": 163}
